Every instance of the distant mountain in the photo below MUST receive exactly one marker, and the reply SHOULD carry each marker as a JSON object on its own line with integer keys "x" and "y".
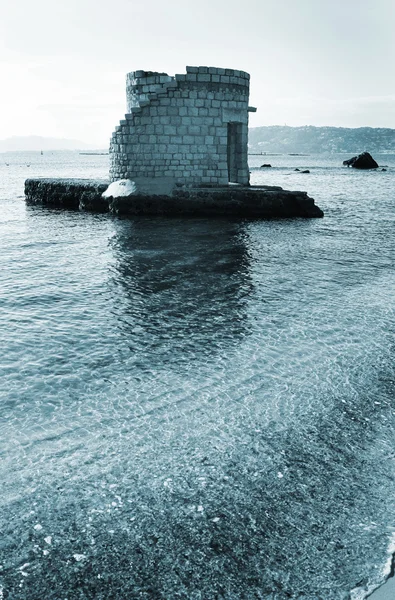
{"x": 315, "y": 140}
{"x": 36, "y": 142}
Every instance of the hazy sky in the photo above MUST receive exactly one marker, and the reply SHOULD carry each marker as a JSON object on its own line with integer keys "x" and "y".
{"x": 312, "y": 62}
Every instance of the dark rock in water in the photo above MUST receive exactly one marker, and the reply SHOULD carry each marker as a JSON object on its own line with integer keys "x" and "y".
{"x": 265, "y": 165}
{"x": 305, "y": 171}
{"x": 296, "y": 169}
{"x": 383, "y": 169}
{"x": 362, "y": 161}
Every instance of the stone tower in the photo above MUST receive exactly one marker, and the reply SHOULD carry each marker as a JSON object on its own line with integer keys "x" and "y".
{"x": 188, "y": 130}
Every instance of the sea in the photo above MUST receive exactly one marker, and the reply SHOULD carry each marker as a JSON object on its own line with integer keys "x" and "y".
{"x": 198, "y": 409}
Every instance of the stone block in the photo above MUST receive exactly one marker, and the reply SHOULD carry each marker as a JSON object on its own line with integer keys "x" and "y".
{"x": 170, "y": 130}
{"x": 188, "y": 139}
{"x": 203, "y": 78}
{"x": 193, "y": 130}
{"x": 192, "y": 69}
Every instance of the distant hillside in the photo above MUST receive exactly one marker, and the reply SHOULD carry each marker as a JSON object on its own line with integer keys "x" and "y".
{"x": 36, "y": 142}
{"x": 315, "y": 140}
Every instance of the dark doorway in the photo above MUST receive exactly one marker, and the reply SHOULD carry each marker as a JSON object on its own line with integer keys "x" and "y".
{"x": 234, "y": 152}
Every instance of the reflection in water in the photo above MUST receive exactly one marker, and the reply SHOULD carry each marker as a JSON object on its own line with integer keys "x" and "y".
{"x": 182, "y": 287}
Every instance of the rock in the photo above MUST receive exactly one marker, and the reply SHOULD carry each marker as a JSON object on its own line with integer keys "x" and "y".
{"x": 383, "y": 169}
{"x": 362, "y": 161}
{"x": 296, "y": 169}
{"x": 306, "y": 171}
{"x": 119, "y": 189}
{"x": 265, "y": 165}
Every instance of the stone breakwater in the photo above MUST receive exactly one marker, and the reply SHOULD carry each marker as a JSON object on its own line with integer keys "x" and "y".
{"x": 240, "y": 201}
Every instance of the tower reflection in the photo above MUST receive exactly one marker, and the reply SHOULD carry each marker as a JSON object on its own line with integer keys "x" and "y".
{"x": 182, "y": 286}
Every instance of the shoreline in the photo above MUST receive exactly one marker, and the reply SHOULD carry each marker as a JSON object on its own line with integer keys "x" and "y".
{"x": 385, "y": 591}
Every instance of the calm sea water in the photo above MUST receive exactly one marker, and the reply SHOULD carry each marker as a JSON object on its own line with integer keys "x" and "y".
{"x": 198, "y": 409}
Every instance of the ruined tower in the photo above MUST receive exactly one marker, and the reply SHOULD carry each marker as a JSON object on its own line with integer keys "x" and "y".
{"x": 188, "y": 130}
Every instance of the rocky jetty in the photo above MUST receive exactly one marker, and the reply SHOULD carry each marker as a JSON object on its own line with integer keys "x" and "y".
{"x": 234, "y": 200}
{"x": 362, "y": 161}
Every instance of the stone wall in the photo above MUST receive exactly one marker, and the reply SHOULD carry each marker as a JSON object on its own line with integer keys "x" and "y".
{"x": 191, "y": 128}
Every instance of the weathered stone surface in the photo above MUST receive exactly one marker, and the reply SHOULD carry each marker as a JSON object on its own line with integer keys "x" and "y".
{"x": 192, "y": 128}
{"x": 82, "y": 194}
{"x": 362, "y": 161}
{"x": 264, "y": 202}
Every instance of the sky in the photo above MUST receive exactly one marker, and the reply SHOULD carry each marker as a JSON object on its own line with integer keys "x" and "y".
{"x": 312, "y": 62}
